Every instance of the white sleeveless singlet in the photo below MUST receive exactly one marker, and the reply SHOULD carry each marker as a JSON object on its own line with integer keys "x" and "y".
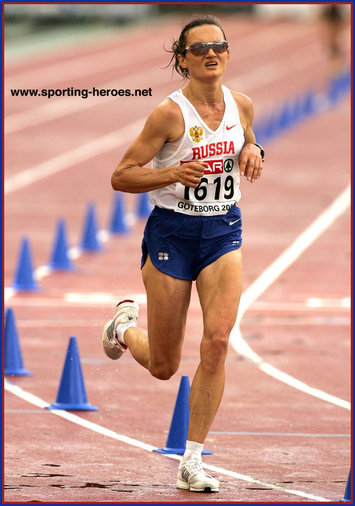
{"x": 219, "y": 188}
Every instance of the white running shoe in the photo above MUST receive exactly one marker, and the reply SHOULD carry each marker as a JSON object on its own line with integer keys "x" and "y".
{"x": 191, "y": 476}
{"x": 126, "y": 312}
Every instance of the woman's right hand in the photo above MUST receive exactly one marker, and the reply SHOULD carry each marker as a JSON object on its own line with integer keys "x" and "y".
{"x": 190, "y": 173}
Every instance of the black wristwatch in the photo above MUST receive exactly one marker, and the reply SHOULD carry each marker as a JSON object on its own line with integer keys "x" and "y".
{"x": 262, "y": 152}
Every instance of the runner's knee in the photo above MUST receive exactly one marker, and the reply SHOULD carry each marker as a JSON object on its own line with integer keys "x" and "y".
{"x": 214, "y": 348}
{"x": 163, "y": 370}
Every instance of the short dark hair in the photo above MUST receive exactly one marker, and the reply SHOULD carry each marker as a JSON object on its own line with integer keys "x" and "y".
{"x": 179, "y": 45}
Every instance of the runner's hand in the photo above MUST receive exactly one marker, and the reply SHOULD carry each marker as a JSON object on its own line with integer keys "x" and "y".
{"x": 189, "y": 174}
{"x": 250, "y": 162}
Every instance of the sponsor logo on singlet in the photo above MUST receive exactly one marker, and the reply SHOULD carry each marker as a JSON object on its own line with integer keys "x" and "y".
{"x": 228, "y": 165}
{"x": 215, "y": 166}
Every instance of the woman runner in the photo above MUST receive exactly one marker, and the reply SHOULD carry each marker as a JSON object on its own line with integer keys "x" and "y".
{"x": 201, "y": 141}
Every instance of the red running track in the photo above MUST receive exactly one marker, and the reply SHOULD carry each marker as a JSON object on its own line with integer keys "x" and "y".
{"x": 271, "y": 442}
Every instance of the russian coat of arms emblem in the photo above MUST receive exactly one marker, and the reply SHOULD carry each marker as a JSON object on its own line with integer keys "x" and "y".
{"x": 196, "y": 133}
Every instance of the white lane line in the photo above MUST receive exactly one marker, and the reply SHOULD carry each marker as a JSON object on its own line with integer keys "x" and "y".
{"x": 103, "y": 235}
{"x": 317, "y": 302}
{"x": 75, "y": 252}
{"x": 99, "y": 298}
{"x": 33, "y": 399}
{"x": 96, "y": 147}
{"x": 292, "y": 252}
{"x": 110, "y": 59}
{"x": 327, "y": 322}
{"x": 49, "y": 111}
{"x": 107, "y": 299}
{"x": 75, "y": 322}
{"x": 70, "y": 158}
{"x": 265, "y": 74}
{"x": 44, "y": 323}
{"x": 275, "y": 70}
{"x": 8, "y": 293}
{"x": 272, "y": 434}
{"x": 265, "y": 280}
{"x": 52, "y": 110}
{"x": 76, "y": 299}
{"x": 119, "y": 57}
{"x": 312, "y": 304}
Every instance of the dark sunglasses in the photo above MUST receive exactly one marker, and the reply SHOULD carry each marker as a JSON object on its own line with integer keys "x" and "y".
{"x": 202, "y": 48}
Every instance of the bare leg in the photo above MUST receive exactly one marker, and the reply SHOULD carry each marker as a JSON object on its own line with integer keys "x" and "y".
{"x": 137, "y": 341}
{"x": 219, "y": 288}
{"x": 168, "y": 298}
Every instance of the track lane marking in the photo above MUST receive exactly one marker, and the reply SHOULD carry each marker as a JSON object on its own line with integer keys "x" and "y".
{"x": 267, "y": 278}
{"x": 67, "y": 106}
{"x": 68, "y": 159}
{"x": 339, "y": 306}
{"x": 88, "y": 65}
{"x": 107, "y": 58}
{"x": 318, "y": 302}
{"x": 37, "y": 401}
{"x": 250, "y": 80}
{"x": 277, "y": 434}
{"x": 74, "y": 156}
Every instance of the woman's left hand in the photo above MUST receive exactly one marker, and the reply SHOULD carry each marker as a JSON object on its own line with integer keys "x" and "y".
{"x": 250, "y": 162}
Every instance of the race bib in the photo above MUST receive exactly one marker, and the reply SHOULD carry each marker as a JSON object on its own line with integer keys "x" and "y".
{"x": 217, "y": 192}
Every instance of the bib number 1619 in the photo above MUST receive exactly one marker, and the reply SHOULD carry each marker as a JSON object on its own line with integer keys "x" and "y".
{"x": 200, "y": 193}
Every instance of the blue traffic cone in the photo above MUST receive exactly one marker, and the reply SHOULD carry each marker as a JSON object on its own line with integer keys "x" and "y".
{"x": 118, "y": 219}
{"x": 144, "y": 207}
{"x": 24, "y": 279}
{"x": 12, "y": 353}
{"x": 176, "y": 442}
{"x": 334, "y": 90}
{"x": 296, "y": 109}
{"x": 271, "y": 128}
{"x": 90, "y": 241}
{"x": 346, "y": 80}
{"x": 309, "y": 105}
{"x": 259, "y": 134}
{"x": 347, "y": 495}
{"x": 60, "y": 259}
{"x": 71, "y": 393}
{"x": 338, "y": 87}
{"x": 285, "y": 118}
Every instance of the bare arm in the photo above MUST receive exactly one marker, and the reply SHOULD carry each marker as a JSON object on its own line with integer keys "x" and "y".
{"x": 250, "y": 162}
{"x": 163, "y": 125}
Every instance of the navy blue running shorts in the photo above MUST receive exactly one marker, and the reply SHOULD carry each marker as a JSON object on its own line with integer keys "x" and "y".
{"x": 182, "y": 245}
